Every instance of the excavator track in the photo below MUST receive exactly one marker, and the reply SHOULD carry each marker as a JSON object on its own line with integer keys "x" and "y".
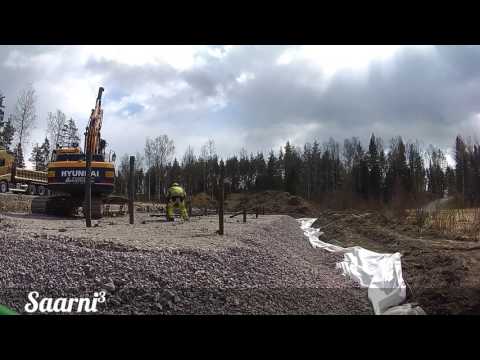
{"x": 60, "y": 205}
{"x": 66, "y": 206}
{"x": 96, "y": 207}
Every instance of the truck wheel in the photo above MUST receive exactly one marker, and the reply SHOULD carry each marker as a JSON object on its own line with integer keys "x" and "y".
{"x": 3, "y": 187}
{"x": 41, "y": 190}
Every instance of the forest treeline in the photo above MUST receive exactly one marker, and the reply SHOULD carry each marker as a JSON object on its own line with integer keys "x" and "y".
{"x": 334, "y": 174}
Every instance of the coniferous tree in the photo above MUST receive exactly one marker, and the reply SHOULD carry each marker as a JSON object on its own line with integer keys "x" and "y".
{"x": 416, "y": 170}
{"x": 291, "y": 168}
{"x": 450, "y": 182}
{"x": 45, "y": 151}
{"x": 460, "y": 166}
{"x": 271, "y": 171}
{"x": 375, "y": 175}
{"x": 36, "y": 157}
{"x": 396, "y": 173}
{"x": 7, "y": 132}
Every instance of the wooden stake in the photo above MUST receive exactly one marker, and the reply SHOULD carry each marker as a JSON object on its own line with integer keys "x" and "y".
{"x": 131, "y": 189}
{"x": 190, "y": 206}
{"x": 221, "y": 198}
{"x": 244, "y": 215}
{"x": 87, "y": 209}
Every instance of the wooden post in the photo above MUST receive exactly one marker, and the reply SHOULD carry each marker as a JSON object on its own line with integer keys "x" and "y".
{"x": 131, "y": 189}
{"x": 256, "y": 213}
{"x": 87, "y": 208}
{"x": 263, "y": 210}
{"x": 190, "y": 206}
{"x": 221, "y": 198}
{"x": 244, "y": 215}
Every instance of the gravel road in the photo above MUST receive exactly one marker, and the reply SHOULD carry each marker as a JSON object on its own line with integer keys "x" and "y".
{"x": 265, "y": 266}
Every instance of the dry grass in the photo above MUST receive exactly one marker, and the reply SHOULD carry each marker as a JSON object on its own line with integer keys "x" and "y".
{"x": 450, "y": 222}
{"x": 421, "y": 218}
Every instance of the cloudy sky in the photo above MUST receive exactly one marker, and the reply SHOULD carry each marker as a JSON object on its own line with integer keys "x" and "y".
{"x": 256, "y": 97}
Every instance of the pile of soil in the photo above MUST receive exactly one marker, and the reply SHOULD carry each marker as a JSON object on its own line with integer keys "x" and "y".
{"x": 441, "y": 274}
{"x": 272, "y": 202}
{"x": 203, "y": 200}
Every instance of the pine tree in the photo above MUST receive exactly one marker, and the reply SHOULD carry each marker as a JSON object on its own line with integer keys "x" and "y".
{"x": 45, "y": 151}
{"x": 316, "y": 158}
{"x": 436, "y": 176}
{"x": 37, "y": 158}
{"x": 2, "y": 106}
{"x": 357, "y": 168}
{"x": 175, "y": 172}
{"x": 416, "y": 169}
{"x": 460, "y": 165}
{"x": 281, "y": 168}
{"x": 260, "y": 172}
{"x": 382, "y": 161}
{"x": 271, "y": 170}
{"x": 292, "y": 173}
{"x": 307, "y": 171}
{"x": 402, "y": 166}
{"x": 397, "y": 180}
{"x": 232, "y": 173}
{"x": 475, "y": 164}
{"x": 7, "y": 132}
{"x": 450, "y": 181}
{"x": 374, "y": 176}
{"x": 364, "y": 178}
{"x": 244, "y": 166}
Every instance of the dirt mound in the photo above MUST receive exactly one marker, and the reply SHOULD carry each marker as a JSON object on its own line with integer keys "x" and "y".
{"x": 203, "y": 200}
{"x": 440, "y": 273}
{"x": 273, "y": 202}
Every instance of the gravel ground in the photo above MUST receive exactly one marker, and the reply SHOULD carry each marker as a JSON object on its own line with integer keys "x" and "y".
{"x": 265, "y": 266}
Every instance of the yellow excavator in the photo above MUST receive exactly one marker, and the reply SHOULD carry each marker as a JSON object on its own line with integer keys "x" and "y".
{"x": 67, "y": 173}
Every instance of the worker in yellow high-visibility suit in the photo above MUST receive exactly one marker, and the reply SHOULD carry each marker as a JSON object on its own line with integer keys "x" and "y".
{"x": 176, "y": 198}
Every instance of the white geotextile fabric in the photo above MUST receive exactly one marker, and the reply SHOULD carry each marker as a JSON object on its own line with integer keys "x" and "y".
{"x": 380, "y": 273}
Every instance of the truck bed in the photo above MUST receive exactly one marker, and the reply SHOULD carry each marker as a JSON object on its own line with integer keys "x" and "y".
{"x": 31, "y": 176}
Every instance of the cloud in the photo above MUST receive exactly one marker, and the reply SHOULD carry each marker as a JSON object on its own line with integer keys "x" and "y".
{"x": 256, "y": 97}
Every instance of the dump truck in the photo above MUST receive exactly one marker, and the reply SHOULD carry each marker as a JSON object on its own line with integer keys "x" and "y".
{"x": 18, "y": 179}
